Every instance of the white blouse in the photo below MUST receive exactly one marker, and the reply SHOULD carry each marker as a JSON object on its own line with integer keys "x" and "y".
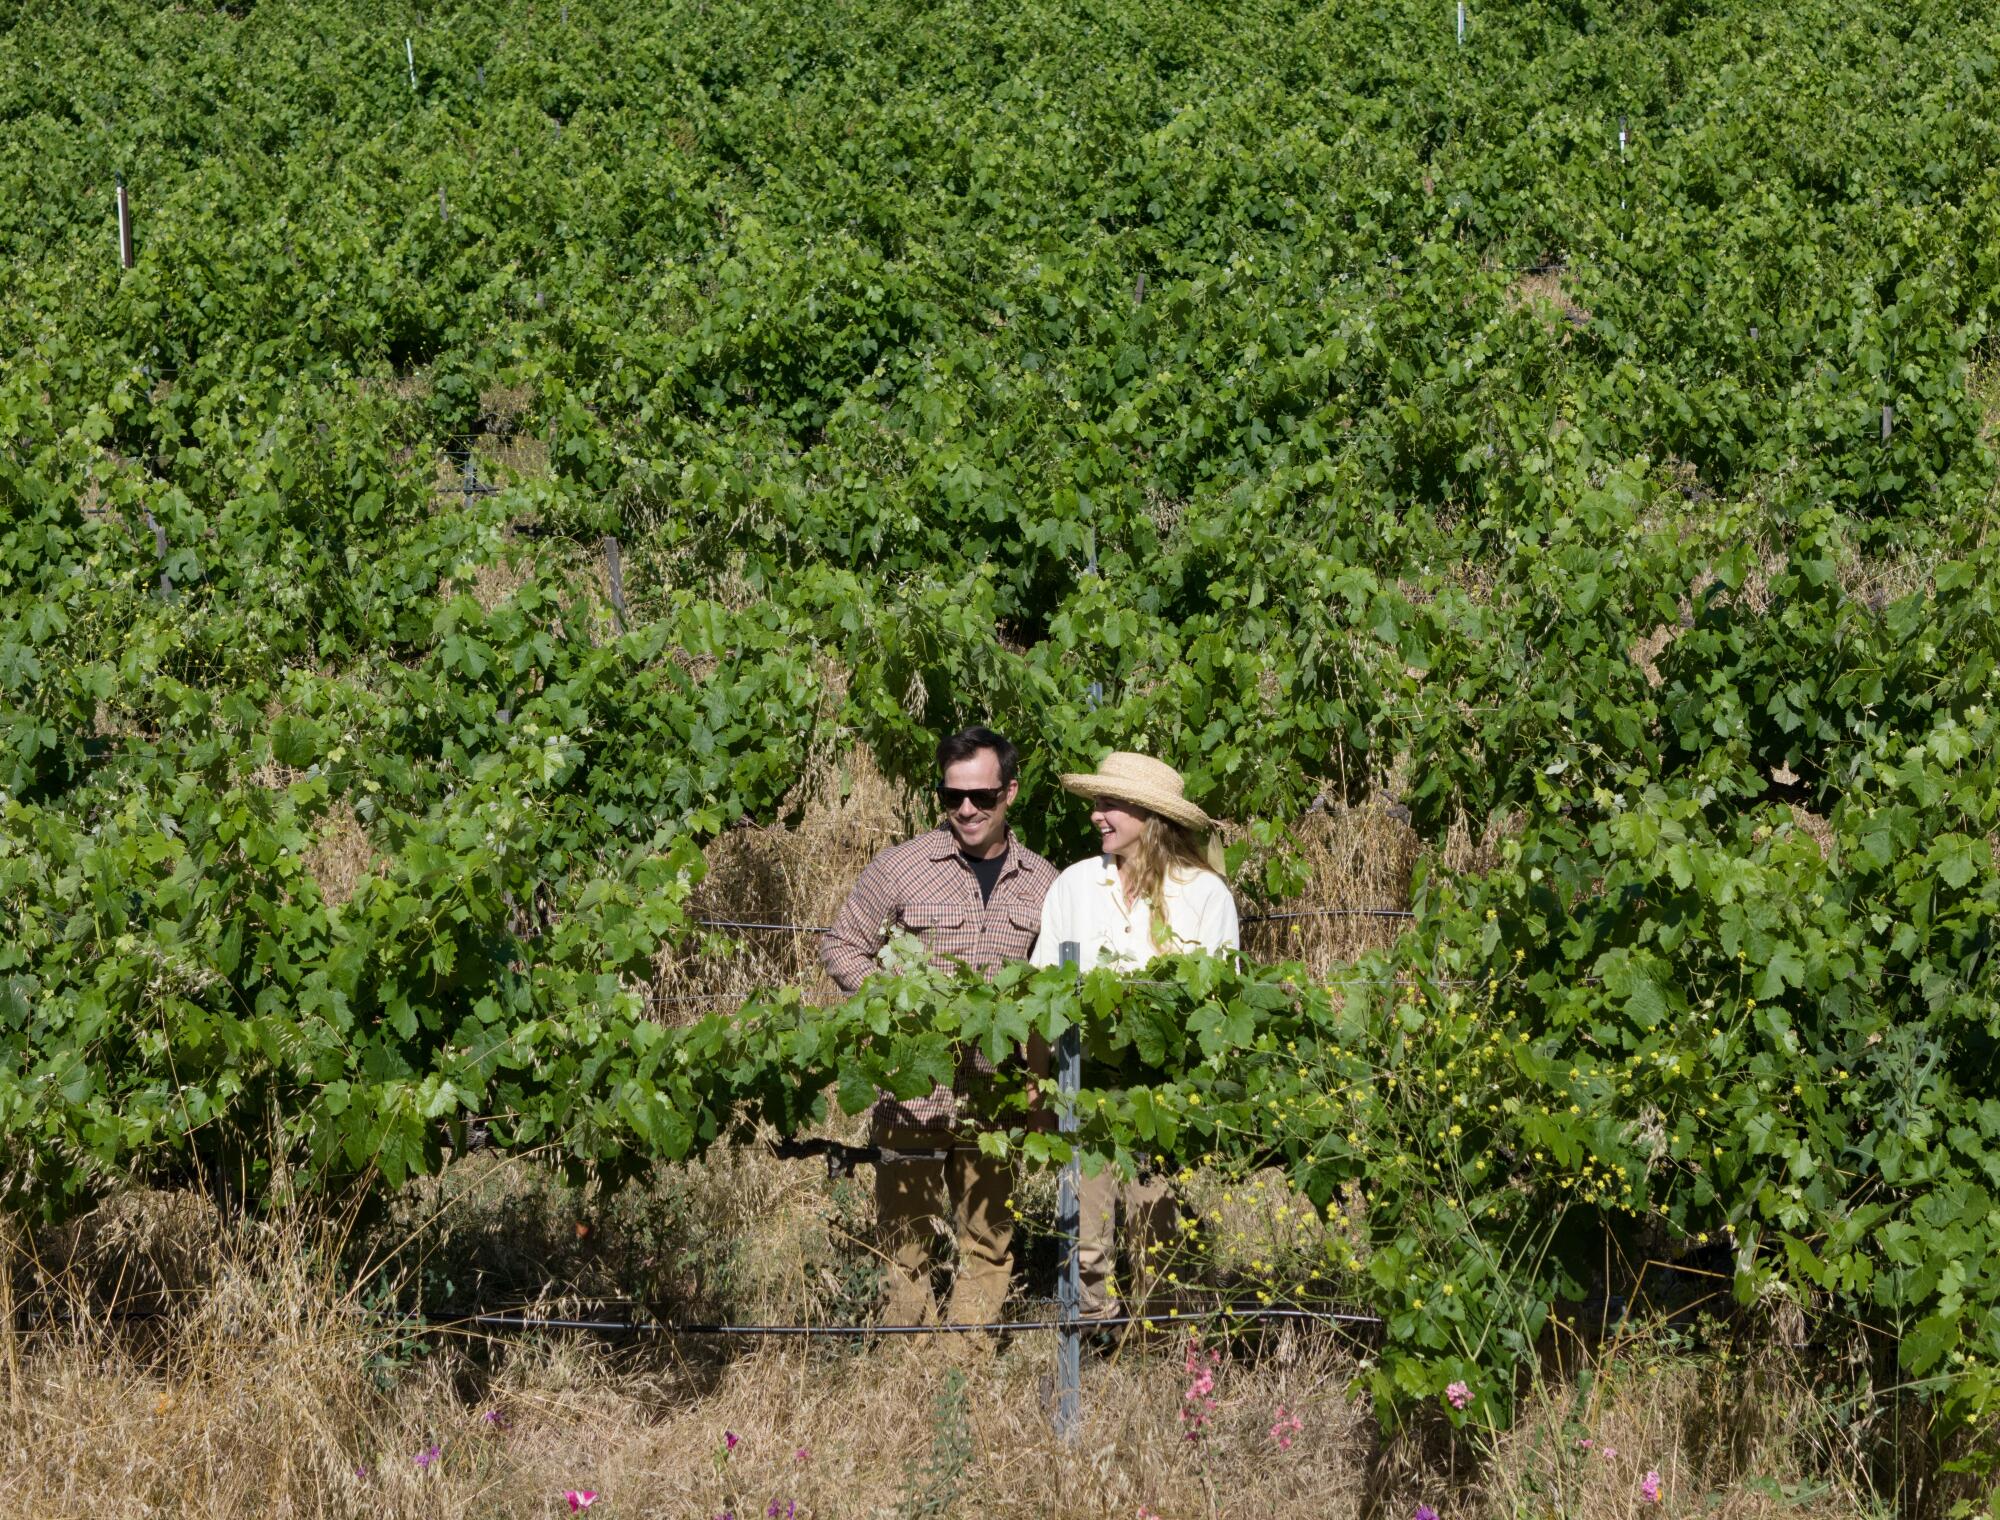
{"x": 1088, "y": 905}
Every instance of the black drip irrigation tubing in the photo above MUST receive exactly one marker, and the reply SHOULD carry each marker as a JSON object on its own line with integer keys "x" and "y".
{"x": 496, "y": 1321}
{"x": 1618, "y": 1305}
{"x": 621, "y": 1327}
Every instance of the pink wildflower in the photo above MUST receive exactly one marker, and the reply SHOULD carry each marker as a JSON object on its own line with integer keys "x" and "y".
{"x": 729, "y": 1440}
{"x": 1611, "y": 1454}
{"x": 803, "y": 1454}
{"x": 427, "y": 1456}
{"x": 1649, "y": 1488}
{"x": 1287, "y": 1426}
{"x": 580, "y": 1499}
{"x": 1458, "y": 1394}
{"x": 1199, "y": 1400}
{"x": 1424, "y": 1512}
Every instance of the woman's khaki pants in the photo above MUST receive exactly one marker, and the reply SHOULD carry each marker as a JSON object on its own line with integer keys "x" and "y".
{"x": 1150, "y": 1217}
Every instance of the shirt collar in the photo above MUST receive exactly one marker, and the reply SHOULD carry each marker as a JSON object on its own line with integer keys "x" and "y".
{"x": 1114, "y": 889}
{"x": 945, "y": 847}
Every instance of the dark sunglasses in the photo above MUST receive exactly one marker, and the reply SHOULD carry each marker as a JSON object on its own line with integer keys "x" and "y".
{"x": 985, "y": 798}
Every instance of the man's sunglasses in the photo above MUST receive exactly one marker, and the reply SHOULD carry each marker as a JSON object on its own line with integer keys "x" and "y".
{"x": 985, "y": 798}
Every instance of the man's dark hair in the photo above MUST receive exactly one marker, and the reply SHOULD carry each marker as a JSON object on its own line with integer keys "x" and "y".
{"x": 968, "y": 742}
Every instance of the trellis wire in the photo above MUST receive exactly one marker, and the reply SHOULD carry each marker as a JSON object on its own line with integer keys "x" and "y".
{"x": 665, "y": 1000}
{"x": 505, "y": 1321}
{"x": 748, "y": 925}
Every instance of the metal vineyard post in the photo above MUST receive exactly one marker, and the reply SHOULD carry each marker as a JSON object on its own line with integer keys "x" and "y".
{"x": 124, "y": 227}
{"x": 1069, "y": 1280}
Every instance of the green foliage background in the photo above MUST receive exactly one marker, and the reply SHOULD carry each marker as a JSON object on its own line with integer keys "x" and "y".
{"x": 892, "y": 319}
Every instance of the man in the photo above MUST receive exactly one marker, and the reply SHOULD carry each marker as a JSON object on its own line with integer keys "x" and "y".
{"x": 971, "y": 893}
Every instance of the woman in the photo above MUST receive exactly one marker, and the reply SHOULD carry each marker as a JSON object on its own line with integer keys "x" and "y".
{"x": 1154, "y": 888}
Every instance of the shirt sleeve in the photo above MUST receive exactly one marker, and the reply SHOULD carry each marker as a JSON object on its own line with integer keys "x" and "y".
{"x": 849, "y": 949}
{"x": 1216, "y": 924}
{"x": 1048, "y": 944}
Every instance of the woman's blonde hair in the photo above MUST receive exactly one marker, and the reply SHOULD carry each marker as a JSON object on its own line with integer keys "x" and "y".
{"x": 1164, "y": 848}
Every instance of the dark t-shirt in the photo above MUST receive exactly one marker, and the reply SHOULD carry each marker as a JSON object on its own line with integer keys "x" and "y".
{"x": 987, "y": 872}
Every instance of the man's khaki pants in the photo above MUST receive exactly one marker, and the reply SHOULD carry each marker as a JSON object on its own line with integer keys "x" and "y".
{"x": 919, "y": 1202}
{"x": 1150, "y": 1216}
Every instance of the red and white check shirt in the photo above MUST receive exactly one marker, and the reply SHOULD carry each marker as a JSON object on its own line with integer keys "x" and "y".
{"x": 927, "y": 888}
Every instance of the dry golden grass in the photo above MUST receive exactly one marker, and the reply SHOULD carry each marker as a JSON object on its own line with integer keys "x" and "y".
{"x": 847, "y": 812}
{"x": 501, "y": 407}
{"x": 1543, "y": 294}
{"x": 1982, "y": 383}
{"x": 1646, "y": 652}
{"x": 1816, "y": 827}
{"x": 340, "y": 856}
{"x": 511, "y": 457}
{"x": 1359, "y": 860}
{"x": 268, "y": 1393}
{"x": 448, "y": 480}
{"x": 1466, "y": 852}
{"x": 1879, "y": 579}
{"x": 408, "y": 389}
{"x": 492, "y": 582}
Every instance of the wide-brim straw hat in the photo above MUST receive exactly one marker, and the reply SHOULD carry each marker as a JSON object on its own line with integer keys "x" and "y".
{"x": 1143, "y": 782}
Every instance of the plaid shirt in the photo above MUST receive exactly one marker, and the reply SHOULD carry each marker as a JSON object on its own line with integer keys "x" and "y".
{"x": 927, "y": 888}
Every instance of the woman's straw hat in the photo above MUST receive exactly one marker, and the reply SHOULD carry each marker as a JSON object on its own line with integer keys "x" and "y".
{"x": 1143, "y": 782}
